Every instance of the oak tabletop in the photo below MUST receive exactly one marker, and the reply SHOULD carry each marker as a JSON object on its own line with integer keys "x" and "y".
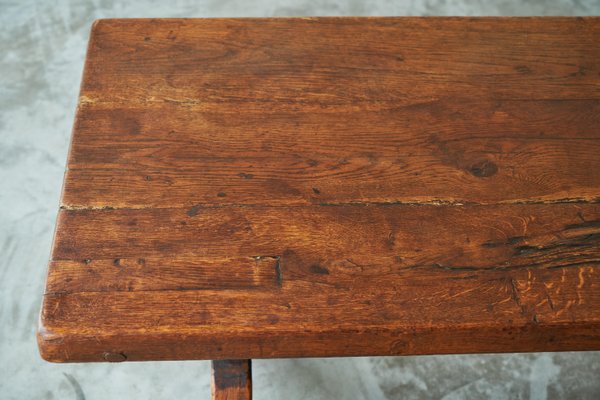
{"x": 299, "y": 187}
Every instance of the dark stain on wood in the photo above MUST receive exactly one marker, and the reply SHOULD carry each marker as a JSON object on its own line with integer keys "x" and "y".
{"x": 318, "y": 269}
{"x": 194, "y": 210}
{"x": 483, "y": 169}
{"x": 278, "y": 272}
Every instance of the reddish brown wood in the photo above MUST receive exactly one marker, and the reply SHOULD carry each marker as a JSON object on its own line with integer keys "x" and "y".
{"x": 254, "y": 188}
{"x": 162, "y": 273}
{"x": 231, "y": 380}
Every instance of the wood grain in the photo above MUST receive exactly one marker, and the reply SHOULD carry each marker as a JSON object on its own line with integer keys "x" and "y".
{"x": 257, "y": 110}
{"x": 159, "y": 273}
{"x": 231, "y": 380}
{"x": 305, "y": 166}
{"x": 382, "y": 269}
{"x": 255, "y": 188}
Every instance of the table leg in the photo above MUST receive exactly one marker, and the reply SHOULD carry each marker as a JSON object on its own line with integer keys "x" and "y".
{"x": 231, "y": 380}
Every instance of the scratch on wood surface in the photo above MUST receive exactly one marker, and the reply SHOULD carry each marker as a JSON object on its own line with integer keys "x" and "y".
{"x": 185, "y": 101}
{"x": 516, "y": 296}
{"x": 463, "y": 292}
{"x": 581, "y": 279}
{"x": 85, "y": 100}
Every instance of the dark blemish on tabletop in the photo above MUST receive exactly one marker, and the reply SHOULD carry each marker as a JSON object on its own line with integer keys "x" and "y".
{"x": 316, "y": 190}
{"x": 278, "y": 274}
{"x": 117, "y": 262}
{"x": 585, "y": 224}
{"x": 483, "y": 169}
{"x": 194, "y": 210}
{"x": 510, "y": 241}
{"x": 147, "y": 39}
{"x": 317, "y": 269}
{"x": 515, "y": 239}
{"x": 221, "y": 194}
{"x": 523, "y": 250}
{"x": 245, "y": 176}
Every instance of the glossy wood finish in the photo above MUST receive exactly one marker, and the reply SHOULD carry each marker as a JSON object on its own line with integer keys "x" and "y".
{"x": 254, "y": 188}
{"x": 231, "y": 380}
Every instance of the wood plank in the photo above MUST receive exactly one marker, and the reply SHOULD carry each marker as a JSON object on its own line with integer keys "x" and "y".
{"x": 398, "y": 300}
{"x": 448, "y": 235}
{"x": 256, "y": 109}
{"x": 231, "y": 380}
{"x": 553, "y": 159}
{"x": 382, "y": 272}
{"x": 275, "y": 64}
{"x": 471, "y": 171}
{"x": 517, "y": 311}
{"x": 107, "y": 133}
{"x": 162, "y": 273}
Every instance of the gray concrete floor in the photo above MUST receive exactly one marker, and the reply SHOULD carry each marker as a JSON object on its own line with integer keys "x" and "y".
{"x": 42, "y": 47}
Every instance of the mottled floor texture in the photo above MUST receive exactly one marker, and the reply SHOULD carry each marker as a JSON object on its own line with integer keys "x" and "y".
{"x": 42, "y": 47}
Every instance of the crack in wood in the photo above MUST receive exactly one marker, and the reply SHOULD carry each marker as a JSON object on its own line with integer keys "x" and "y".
{"x": 577, "y": 200}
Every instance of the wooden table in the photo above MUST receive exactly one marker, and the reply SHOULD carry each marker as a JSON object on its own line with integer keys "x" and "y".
{"x": 257, "y": 188}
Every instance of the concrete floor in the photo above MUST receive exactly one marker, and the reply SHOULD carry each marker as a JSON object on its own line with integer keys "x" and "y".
{"x": 42, "y": 47}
